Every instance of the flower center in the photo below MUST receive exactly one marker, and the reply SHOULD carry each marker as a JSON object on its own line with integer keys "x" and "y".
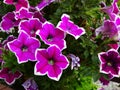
{"x": 51, "y": 62}
{"x": 109, "y": 64}
{"x": 32, "y": 31}
{"x": 15, "y": 0}
{"x": 24, "y": 48}
{"x": 49, "y": 38}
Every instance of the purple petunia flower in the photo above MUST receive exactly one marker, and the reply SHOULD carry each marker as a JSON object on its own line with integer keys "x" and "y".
{"x": 50, "y": 62}
{"x": 114, "y": 46}
{"x": 30, "y": 26}
{"x": 52, "y": 36}
{"x": 24, "y": 47}
{"x": 9, "y": 76}
{"x": 75, "y": 63}
{"x": 108, "y": 29}
{"x": 18, "y": 3}
{"x": 69, "y": 27}
{"x": 23, "y": 14}
{"x": 9, "y": 38}
{"x": 30, "y": 84}
{"x": 8, "y": 22}
{"x": 37, "y": 14}
{"x": 110, "y": 62}
{"x": 43, "y": 4}
{"x": 111, "y": 10}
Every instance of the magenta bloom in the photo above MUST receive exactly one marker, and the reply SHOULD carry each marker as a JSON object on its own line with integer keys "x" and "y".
{"x": 30, "y": 26}
{"x": 18, "y": 3}
{"x": 110, "y": 10}
{"x": 43, "y": 4}
{"x": 50, "y": 62}
{"x": 114, "y": 46}
{"x": 24, "y": 47}
{"x": 23, "y": 14}
{"x": 37, "y": 14}
{"x": 9, "y": 38}
{"x": 9, "y": 76}
{"x": 110, "y": 62}
{"x": 52, "y": 36}
{"x": 30, "y": 84}
{"x": 8, "y": 22}
{"x": 69, "y": 27}
{"x": 108, "y": 29}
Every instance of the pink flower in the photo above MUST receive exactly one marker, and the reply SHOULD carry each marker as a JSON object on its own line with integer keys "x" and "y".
{"x": 9, "y": 76}
{"x": 51, "y": 62}
{"x": 52, "y": 35}
{"x": 18, "y": 3}
{"x": 24, "y": 47}
{"x": 69, "y": 27}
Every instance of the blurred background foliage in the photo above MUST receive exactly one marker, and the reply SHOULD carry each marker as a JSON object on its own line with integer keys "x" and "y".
{"x": 84, "y": 13}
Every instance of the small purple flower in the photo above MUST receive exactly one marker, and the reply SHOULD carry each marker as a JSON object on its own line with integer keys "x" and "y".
{"x": 8, "y": 22}
{"x": 24, "y": 47}
{"x": 23, "y": 14}
{"x": 30, "y": 26}
{"x": 43, "y": 4}
{"x": 51, "y": 62}
{"x": 18, "y": 3}
{"x": 108, "y": 29}
{"x": 9, "y": 38}
{"x": 75, "y": 63}
{"x": 30, "y": 84}
{"x": 110, "y": 10}
{"x": 110, "y": 62}
{"x": 9, "y": 76}
{"x": 52, "y": 36}
{"x": 69, "y": 27}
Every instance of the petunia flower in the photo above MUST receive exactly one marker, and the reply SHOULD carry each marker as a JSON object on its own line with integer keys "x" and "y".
{"x": 69, "y": 27}
{"x": 110, "y": 62}
{"x": 30, "y": 84}
{"x": 111, "y": 10}
{"x": 52, "y": 35}
{"x": 43, "y": 4}
{"x": 75, "y": 63}
{"x": 18, "y": 3}
{"x": 8, "y": 22}
{"x": 9, "y": 38}
{"x": 30, "y": 26}
{"x": 51, "y": 62}
{"x": 114, "y": 46}
{"x": 37, "y": 14}
{"x": 108, "y": 29}
{"x": 24, "y": 47}
{"x": 9, "y": 76}
{"x": 23, "y": 14}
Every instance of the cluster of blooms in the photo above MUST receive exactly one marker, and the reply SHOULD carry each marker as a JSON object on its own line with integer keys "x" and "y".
{"x": 110, "y": 60}
{"x": 26, "y": 46}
